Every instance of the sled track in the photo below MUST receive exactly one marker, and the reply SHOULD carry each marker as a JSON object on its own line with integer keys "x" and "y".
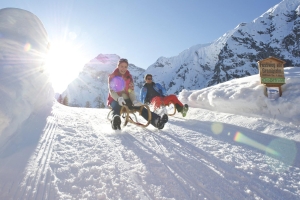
{"x": 231, "y": 171}
{"x": 113, "y": 142}
{"x": 180, "y": 163}
{"x": 37, "y": 182}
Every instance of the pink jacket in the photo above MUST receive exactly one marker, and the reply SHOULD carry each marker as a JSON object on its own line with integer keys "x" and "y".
{"x": 119, "y": 84}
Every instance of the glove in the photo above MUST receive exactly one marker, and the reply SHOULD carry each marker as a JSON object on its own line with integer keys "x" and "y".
{"x": 136, "y": 103}
{"x": 121, "y": 101}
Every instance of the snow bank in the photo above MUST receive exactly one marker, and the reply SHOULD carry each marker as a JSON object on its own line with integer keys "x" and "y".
{"x": 24, "y": 83}
{"x": 246, "y": 96}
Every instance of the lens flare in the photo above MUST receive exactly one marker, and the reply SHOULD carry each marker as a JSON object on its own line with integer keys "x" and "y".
{"x": 217, "y": 128}
{"x": 27, "y": 47}
{"x": 286, "y": 149}
{"x": 117, "y": 84}
{"x": 239, "y": 137}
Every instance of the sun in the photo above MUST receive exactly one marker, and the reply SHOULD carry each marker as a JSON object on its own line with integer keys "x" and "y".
{"x": 64, "y": 61}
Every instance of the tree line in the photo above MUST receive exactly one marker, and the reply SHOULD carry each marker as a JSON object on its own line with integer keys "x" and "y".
{"x": 65, "y": 101}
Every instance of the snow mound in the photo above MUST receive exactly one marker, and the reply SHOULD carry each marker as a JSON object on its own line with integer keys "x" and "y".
{"x": 246, "y": 96}
{"x": 24, "y": 81}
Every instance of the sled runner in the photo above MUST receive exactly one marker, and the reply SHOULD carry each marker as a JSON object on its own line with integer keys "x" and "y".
{"x": 128, "y": 115}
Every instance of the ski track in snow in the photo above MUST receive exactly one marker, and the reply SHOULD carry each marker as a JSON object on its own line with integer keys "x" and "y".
{"x": 37, "y": 181}
{"x": 79, "y": 156}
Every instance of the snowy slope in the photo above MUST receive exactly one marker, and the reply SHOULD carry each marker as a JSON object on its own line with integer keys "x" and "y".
{"x": 73, "y": 153}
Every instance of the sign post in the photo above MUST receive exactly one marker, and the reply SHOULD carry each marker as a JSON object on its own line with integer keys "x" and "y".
{"x": 271, "y": 71}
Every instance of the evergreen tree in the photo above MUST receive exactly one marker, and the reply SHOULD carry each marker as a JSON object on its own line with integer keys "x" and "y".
{"x": 75, "y": 103}
{"x": 60, "y": 99}
{"x": 65, "y": 101}
{"x": 87, "y": 104}
{"x": 99, "y": 102}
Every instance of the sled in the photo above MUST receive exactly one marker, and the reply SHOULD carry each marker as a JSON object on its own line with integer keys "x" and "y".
{"x": 128, "y": 115}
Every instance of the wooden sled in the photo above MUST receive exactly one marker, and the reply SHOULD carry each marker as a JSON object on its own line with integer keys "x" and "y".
{"x": 127, "y": 115}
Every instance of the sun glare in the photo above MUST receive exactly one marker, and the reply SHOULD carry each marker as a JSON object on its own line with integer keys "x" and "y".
{"x": 64, "y": 61}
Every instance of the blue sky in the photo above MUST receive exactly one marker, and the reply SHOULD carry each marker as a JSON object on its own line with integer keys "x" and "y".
{"x": 140, "y": 30}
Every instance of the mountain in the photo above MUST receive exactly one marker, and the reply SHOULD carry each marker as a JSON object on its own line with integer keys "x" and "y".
{"x": 90, "y": 89}
{"x": 234, "y": 55}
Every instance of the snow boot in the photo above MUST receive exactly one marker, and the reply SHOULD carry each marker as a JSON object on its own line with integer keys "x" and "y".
{"x": 116, "y": 122}
{"x": 184, "y": 110}
{"x": 161, "y": 121}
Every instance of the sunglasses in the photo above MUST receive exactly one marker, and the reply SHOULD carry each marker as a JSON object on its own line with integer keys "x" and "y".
{"x": 149, "y": 78}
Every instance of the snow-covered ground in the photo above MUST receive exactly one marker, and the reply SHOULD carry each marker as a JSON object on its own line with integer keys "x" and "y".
{"x": 221, "y": 150}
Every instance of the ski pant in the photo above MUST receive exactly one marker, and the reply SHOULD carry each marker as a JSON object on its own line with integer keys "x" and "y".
{"x": 117, "y": 109}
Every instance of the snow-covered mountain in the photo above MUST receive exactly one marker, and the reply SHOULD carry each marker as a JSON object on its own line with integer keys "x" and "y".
{"x": 235, "y": 54}
{"x": 90, "y": 89}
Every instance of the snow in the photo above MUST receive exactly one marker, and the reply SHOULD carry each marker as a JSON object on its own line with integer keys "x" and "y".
{"x": 24, "y": 82}
{"x": 228, "y": 147}
{"x": 232, "y": 96}
{"x": 217, "y": 151}
{"x": 235, "y": 143}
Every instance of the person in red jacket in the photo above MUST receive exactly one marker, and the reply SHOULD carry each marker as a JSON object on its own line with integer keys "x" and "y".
{"x": 121, "y": 92}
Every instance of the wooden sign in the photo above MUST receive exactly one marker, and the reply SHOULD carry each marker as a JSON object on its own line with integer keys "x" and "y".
{"x": 271, "y": 71}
